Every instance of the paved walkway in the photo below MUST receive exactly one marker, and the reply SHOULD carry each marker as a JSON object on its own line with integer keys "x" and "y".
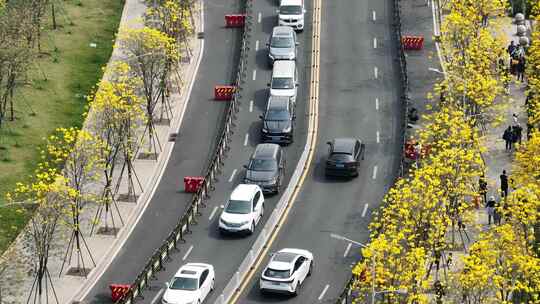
{"x": 17, "y": 277}
{"x": 417, "y": 19}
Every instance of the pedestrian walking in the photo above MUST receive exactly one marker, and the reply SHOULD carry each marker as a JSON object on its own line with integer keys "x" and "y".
{"x": 507, "y": 136}
{"x": 520, "y": 69}
{"x": 485, "y": 18}
{"x": 511, "y": 48}
{"x": 482, "y": 188}
{"x": 504, "y": 184}
{"x": 449, "y": 260}
{"x": 516, "y": 133}
{"x": 490, "y": 207}
{"x": 515, "y": 119}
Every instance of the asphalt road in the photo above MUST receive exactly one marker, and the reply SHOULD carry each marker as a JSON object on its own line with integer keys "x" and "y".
{"x": 359, "y": 97}
{"x": 191, "y": 155}
{"x": 197, "y": 131}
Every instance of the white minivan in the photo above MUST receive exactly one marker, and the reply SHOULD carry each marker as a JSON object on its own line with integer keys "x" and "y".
{"x": 284, "y": 79}
{"x": 291, "y": 13}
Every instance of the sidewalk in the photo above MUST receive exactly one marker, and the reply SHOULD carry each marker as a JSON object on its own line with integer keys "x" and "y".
{"x": 16, "y": 281}
{"x": 417, "y": 19}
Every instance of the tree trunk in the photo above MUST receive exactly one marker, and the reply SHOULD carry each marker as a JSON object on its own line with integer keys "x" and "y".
{"x": 53, "y": 15}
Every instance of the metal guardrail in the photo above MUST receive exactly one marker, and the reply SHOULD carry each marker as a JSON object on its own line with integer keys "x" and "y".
{"x": 348, "y": 294}
{"x": 170, "y": 244}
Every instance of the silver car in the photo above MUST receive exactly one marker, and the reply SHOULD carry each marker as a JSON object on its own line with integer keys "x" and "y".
{"x": 282, "y": 44}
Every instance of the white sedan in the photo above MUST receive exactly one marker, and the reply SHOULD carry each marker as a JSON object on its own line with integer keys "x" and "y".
{"x": 286, "y": 271}
{"x": 190, "y": 285}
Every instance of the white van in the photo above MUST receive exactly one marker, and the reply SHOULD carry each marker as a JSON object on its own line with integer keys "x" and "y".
{"x": 284, "y": 79}
{"x": 291, "y": 13}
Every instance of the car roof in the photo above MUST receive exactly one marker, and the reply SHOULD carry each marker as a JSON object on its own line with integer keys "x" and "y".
{"x": 282, "y": 31}
{"x": 243, "y": 192}
{"x": 291, "y": 2}
{"x": 266, "y": 151}
{"x": 191, "y": 270}
{"x": 278, "y": 103}
{"x": 283, "y": 68}
{"x": 343, "y": 145}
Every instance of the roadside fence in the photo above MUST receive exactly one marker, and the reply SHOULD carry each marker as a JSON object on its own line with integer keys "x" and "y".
{"x": 348, "y": 294}
{"x": 162, "y": 254}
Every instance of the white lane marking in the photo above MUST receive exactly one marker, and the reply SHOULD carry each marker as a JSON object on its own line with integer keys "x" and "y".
{"x": 324, "y": 291}
{"x": 259, "y": 18}
{"x": 378, "y": 137}
{"x": 156, "y": 298}
{"x": 347, "y": 250}
{"x": 365, "y": 210}
{"x": 187, "y": 253}
{"x": 213, "y": 213}
{"x": 232, "y": 176}
{"x": 251, "y": 106}
{"x": 256, "y": 45}
{"x": 374, "y": 172}
{"x": 376, "y": 72}
{"x": 374, "y": 15}
{"x": 254, "y": 74}
{"x": 246, "y": 138}
{"x": 374, "y": 42}
{"x": 377, "y": 104}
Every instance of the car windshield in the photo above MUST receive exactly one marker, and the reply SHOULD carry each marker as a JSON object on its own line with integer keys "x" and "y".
{"x": 281, "y": 42}
{"x": 282, "y": 83}
{"x": 262, "y": 165}
{"x": 278, "y": 274}
{"x": 290, "y": 10}
{"x": 238, "y": 207}
{"x": 182, "y": 283}
{"x": 340, "y": 157}
{"x": 277, "y": 115}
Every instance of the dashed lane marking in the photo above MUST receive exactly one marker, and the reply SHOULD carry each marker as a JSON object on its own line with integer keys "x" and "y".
{"x": 187, "y": 253}
{"x": 324, "y": 292}
{"x": 232, "y": 176}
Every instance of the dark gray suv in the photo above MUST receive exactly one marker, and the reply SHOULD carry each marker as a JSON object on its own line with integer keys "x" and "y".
{"x": 266, "y": 167}
{"x": 278, "y": 120}
{"x": 344, "y": 155}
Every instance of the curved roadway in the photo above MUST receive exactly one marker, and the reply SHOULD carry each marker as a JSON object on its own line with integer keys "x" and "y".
{"x": 196, "y": 136}
{"x": 359, "y": 97}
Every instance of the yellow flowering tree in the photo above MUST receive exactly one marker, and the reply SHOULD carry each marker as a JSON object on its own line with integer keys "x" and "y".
{"x": 151, "y": 54}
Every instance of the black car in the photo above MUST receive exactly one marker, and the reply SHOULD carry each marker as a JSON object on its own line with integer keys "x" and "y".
{"x": 265, "y": 167}
{"x": 344, "y": 156}
{"x": 278, "y": 120}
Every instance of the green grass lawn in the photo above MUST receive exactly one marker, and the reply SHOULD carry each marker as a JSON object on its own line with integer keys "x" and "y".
{"x": 67, "y": 71}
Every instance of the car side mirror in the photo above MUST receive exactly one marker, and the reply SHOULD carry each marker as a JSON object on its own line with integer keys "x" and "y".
{"x": 167, "y": 284}
{"x": 267, "y": 44}
{"x": 245, "y": 166}
{"x": 304, "y": 10}
{"x": 222, "y": 206}
{"x": 268, "y": 84}
{"x": 277, "y": 11}
{"x": 261, "y": 117}
{"x": 328, "y": 143}
{"x": 297, "y": 43}
{"x": 296, "y": 84}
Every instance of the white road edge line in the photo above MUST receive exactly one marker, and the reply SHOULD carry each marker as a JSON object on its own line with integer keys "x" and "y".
{"x": 108, "y": 258}
{"x": 374, "y": 15}
{"x": 246, "y": 138}
{"x": 256, "y": 45}
{"x": 374, "y": 42}
{"x": 374, "y": 172}
{"x": 156, "y": 298}
{"x": 324, "y": 292}
{"x": 259, "y": 18}
{"x": 377, "y": 104}
{"x": 232, "y": 176}
{"x": 365, "y": 210}
{"x": 254, "y": 74}
{"x": 251, "y": 106}
{"x": 213, "y": 213}
{"x": 378, "y": 137}
{"x": 376, "y": 72}
{"x": 347, "y": 250}
{"x": 187, "y": 253}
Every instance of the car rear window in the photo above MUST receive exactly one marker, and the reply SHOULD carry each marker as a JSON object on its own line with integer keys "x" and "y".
{"x": 290, "y": 10}
{"x": 262, "y": 165}
{"x": 281, "y": 42}
{"x": 278, "y": 274}
{"x": 282, "y": 83}
{"x": 340, "y": 157}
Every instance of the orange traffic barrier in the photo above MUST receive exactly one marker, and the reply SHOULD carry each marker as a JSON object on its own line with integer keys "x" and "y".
{"x": 118, "y": 291}
{"x": 224, "y": 92}
{"x": 412, "y": 42}
{"x": 235, "y": 20}
{"x": 192, "y": 183}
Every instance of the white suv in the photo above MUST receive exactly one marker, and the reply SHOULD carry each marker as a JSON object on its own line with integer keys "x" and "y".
{"x": 286, "y": 271}
{"x": 191, "y": 284}
{"x": 243, "y": 211}
{"x": 291, "y": 13}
